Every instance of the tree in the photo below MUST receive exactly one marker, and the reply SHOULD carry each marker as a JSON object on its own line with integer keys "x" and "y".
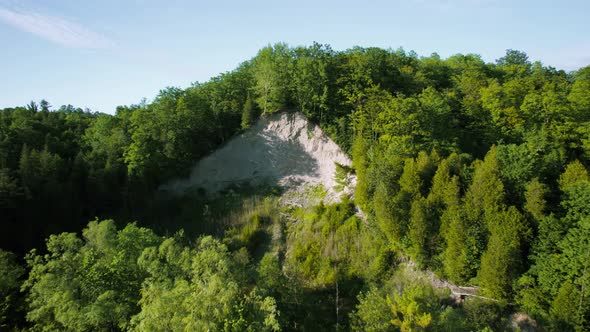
{"x": 32, "y": 107}
{"x": 579, "y": 97}
{"x": 273, "y": 72}
{"x": 407, "y": 308}
{"x": 10, "y": 282}
{"x": 457, "y": 255}
{"x": 360, "y": 163}
{"x": 421, "y": 229}
{"x": 45, "y": 105}
{"x": 10, "y": 190}
{"x": 249, "y": 114}
{"x": 501, "y": 262}
{"x": 535, "y": 202}
{"x": 91, "y": 284}
{"x": 410, "y": 309}
{"x": 439, "y": 121}
{"x": 195, "y": 289}
{"x": 310, "y": 80}
{"x": 372, "y": 313}
{"x": 513, "y": 57}
{"x": 465, "y": 227}
{"x": 574, "y": 173}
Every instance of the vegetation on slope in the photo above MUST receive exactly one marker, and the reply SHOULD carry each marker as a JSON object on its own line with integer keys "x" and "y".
{"x": 476, "y": 171}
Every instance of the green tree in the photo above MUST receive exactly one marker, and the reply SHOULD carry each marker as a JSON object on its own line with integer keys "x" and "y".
{"x": 501, "y": 262}
{"x": 87, "y": 285}
{"x": 483, "y": 200}
{"x": 574, "y": 173}
{"x": 249, "y": 114}
{"x": 535, "y": 202}
{"x": 10, "y": 282}
{"x": 310, "y": 80}
{"x": 196, "y": 289}
{"x": 273, "y": 73}
{"x": 405, "y": 308}
{"x": 421, "y": 230}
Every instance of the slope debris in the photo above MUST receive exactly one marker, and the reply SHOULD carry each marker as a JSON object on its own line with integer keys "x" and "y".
{"x": 283, "y": 149}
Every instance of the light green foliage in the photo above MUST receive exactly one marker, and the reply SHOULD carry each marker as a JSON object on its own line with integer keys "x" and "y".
{"x": 501, "y": 262}
{"x": 107, "y": 140}
{"x": 341, "y": 176}
{"x": 273, "y": 72}
{"x": 565, "y": 308}
{"x": 270, "y": 277}
{"x": 359, "y": 157}
{"x": 314, "y": 250}
{"x": 373, "y": 313}
{"x": 420, "y": 230}
{"x": 484, "y": 315}
{"x": 517, "y": 166}
{"x": 486, "y": 192}
{"x": 535, "y": 202}
{"x": 579, "y": 92}
{"x": 310, "y": 80}
{"x": 87, "y": 285}
{"x": 503, "y": 102}
{"x": 402, "y": 303}
{"x": 457, "y": 255}
{"x": 439, "y": 121}
{"x": 444, "y": 192}
{"x": 483, "y": 199}
{"x": 384, "y": 215}
{"x": 396, "y": 214}
{"x": 574, "y": 173}
{"x": 556, "y": 285}
{"x": 197, "y": 290}
{"x": 408, "y": 311}
{"x": 401, "y": 124}
{"x": 331, "y": 243}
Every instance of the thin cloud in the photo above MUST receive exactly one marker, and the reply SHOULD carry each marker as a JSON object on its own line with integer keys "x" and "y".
{"x": 55, "y": 29}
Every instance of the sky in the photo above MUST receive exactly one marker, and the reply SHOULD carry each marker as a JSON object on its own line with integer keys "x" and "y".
{"x": 101, "y": 54}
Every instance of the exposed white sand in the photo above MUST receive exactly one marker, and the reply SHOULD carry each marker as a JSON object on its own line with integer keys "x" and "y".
{"x": 284, "y": 149}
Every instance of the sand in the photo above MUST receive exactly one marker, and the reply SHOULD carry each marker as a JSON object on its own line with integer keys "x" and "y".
{"x": 283, "y": 149}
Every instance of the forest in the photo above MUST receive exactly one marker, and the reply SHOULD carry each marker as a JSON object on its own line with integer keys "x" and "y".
{"x": 470, "y": 172}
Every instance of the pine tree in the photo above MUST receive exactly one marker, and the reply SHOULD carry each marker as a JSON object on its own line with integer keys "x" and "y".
{"x": 574, "y": 173}
{"x": 501, "y": 262}
{"x": 420, "y": 231}
{"x": 249, "y": 114}
{"x": 534, "y": 198}
{"x": 456, "y": 256}
{"x": 359, "y": 163}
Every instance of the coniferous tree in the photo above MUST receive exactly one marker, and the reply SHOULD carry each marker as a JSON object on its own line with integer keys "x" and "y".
{"x": 249, "y": 114}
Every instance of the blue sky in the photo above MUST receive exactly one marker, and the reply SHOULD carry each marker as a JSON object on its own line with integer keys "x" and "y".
{"x": 100, "y": 54}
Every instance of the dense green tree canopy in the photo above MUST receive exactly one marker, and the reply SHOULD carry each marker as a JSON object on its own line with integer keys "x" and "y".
{"x": 476, "y": 172}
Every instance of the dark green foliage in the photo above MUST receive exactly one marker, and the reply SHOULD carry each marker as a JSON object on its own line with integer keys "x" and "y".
{"x": 10, "y": 300}
{"x": 249, "y": 115}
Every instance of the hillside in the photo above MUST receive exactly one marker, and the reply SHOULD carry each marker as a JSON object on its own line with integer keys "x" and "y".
{"x": 283, "y": 149}
{"x": 182, "y": 213}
